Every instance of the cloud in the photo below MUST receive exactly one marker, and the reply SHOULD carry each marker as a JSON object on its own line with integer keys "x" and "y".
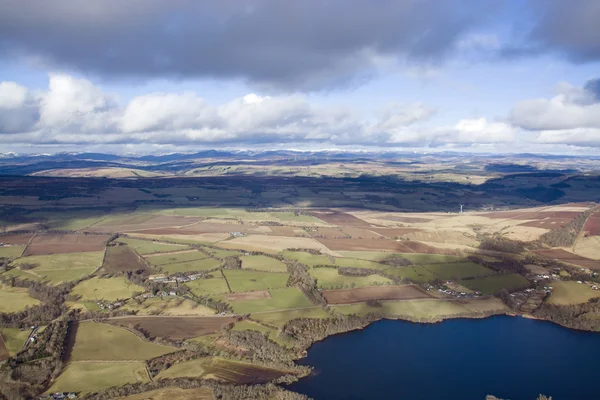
{"x": 310, "y": 44}
{"x": 571, "y": 108}
{"x": 569, "y": 28}
{"x": 572, "y": 117}
{"x": 74, "y": 111}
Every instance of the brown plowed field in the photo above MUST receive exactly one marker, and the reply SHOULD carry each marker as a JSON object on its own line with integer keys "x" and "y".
{"x": 365, "y": 245}
{"x": 257, "y": 295}
{"x": 570, "y": 258}
{"x": 16, "y": 239}
{"x": 57, "y": 244}
{"x": 176, "y": 328}
{"x": 123, "y": 259}
{"x": 593, "y": 225}
{"x": 340, "y": 218}
{"x": 347, "y": 296}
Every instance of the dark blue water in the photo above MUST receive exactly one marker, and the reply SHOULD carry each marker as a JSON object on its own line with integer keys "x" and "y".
{"x": 511, "y": 358}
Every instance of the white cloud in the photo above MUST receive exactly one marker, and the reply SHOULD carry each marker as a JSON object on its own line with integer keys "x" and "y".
{"x": 571, "y": 108}
{"x": 572, "y": 117}
{"x": 74, "y": 111}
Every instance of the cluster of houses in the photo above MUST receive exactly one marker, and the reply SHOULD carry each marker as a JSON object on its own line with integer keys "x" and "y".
{"x": 237, "y": 234}
{"x": 162, "y": 278}
{"x": 110, "y": 305}
{"x": 450, "y": 292}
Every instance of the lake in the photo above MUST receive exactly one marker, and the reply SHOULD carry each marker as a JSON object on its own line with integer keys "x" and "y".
{"x": 463, "y": 359}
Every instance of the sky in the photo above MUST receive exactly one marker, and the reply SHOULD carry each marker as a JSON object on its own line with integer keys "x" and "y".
{"x": 154, "y": 76}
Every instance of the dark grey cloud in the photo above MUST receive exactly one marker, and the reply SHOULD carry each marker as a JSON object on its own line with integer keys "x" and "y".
{"x": 593, "y": 87}
{"x": 304, "y": 44}
{"x": 571, "y": 28}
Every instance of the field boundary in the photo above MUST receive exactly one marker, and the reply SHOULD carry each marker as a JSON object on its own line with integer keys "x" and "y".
{"x": 226, "y": 281}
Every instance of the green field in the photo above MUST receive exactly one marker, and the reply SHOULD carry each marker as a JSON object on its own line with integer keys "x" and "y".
{"x": 14, "y": 339}
{"x": 319, "y": 259}
{"x": 263, "y": 263}
{"x": 94, "y": 376}
{"x": 175, "y": 258}
{"x": 207, "y": 287}
{"x": 219, "y": 253}
{"x": 106, "y": 289}
{"x": 149, "y": 247}
{"x": 104, "y": 342}
{"x": 414, "y": 274}
{"x": 279, "y": 318}
{"x": 329, "y": 278}
{"x": 11, "y": 251}
{"x": 416, "y": 258}
{"x": 13, "y": 299}
{"x": 280, "y": 299}
{"x": 492, "y": 284}
{"x": 291, "y": 217}
{"x": 204, "y": 264}
{"x": 59, "y": 268}
{"x": 246, "y": 325}
{"x": 456, "y": 271}
{"x": 307, "y": 258}
{"x": 422, "y": 309}
{"x": 247, "y": 281}
{"x": 570, "y": 292}
{"x": 187, "y": 369}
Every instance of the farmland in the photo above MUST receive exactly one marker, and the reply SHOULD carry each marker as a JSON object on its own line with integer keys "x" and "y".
{"x": 246, "y": 281}
{"x": 95, "y": 376}
{"x": 144, "y": 247}
{"x": 170, "y": 393}
{"x": 329, "y": 278}
{"x": 263, "y": 263}
{"x": 15, "y": 299}
{"x": 104, "y": 342}
{"x": 202, "y": 263}
{"x": 566, "y": 293}
{"x": 58, "y": 268}
{"x": 11, "y": 251}
{"x": 174, "y": 327}
{"x": 280, "y": 299}
{"x": 106, "y": 289}
{"x": 407, "y": 292}
{"x": 58, "y": 244}
{"x": 492, "y": 284}
{"x": 14, "y": 339}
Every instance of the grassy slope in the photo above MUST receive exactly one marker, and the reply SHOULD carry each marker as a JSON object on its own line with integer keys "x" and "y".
{"x": 204, "y": 264}
{"x": 63, "y": 267}
{"x": 11, "y": 251}
{"x": 263, "y": 263}
{"x": 203, "y": 287}
{"x": 95, "y": 376}
{"x": 570, "y": 292}
{"x": 108, "y": 289}
{"x": 149, "y": 247}
{"x": 97, "y": 341}
{"x": 280, "y": 299}
{"x": 14, "y": 339}
{"x": 328, "y": 278}
{"x": 15, "y": 299}
{"x": 246, "y": 281}
{"x": 492, "y": 284}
